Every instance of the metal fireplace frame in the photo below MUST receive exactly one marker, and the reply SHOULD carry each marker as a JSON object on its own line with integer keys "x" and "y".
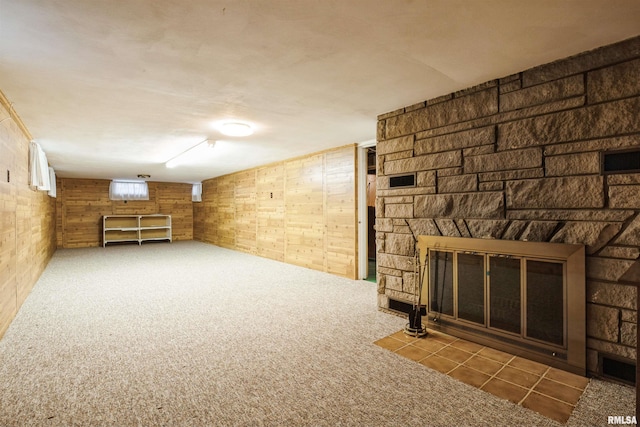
{"x": 571, "y": 355}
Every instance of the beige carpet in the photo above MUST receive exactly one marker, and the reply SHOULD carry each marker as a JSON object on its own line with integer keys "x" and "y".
{"x": 189, "y": 334}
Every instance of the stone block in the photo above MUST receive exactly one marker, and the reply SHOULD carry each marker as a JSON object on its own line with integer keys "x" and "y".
{"x": 476, "y": 151}
{"x": 596, "y": 121}
{"x": 422, "y": 163}
{"x": 456, "y": 140}
{"x": 394, "y": 200}
{"x": 399, "y": 295}
{"x": 543, "y": 93}
{"x": 447, "y": 227}
{"x": 602, "y": 322}
{"x": 571, "y": 215}
{"x": 449, "y": 172}
{"x": 388, "y": 271}
{"x": 409, "y": 283}
{"x": 514, "y": 230}
{"x": 594, "y": 235}
{"x": 478, "y": 104}
{"x": 542, "y": 109}
{"x": 384, "y": 224}
{"x": 607, "y": 269}
{"x": 624, "y": 197}
{"x": 612, "y": 294}
{"x": 458, "y": 184}
{"x": 394, "y": 145}
{"x": 615, "y": 82}
{"x": 406, "y": 191}
{"x": 396, "y": 262}
{"x": 613, "y": 143}
{"x": 401, "y": 229}
{"x": 631, "y": 235}
{"x": 538, "y": 231}
{"x": 486, "y": 205}
{"x": 394, "y": 283}
{"x": 426, "y": 178}
{"x": 399, "y": 244}
{"x": 632, "y": 275}
{"x": 623, "y": 179}
{"x": 511, "y": 175}
{"x": 628, "y": 315}
{"x": 573, "y": 164}
{"x": 597, "y": 58}
{"x": 612, "y": 348}
{"x": 382, "y": 182}
{"x": 629, "y": 334}
{"x": 491, "y": 186}
{"x": 504, "y": 160}
{"x": 462, "y": 227}
{"x": 423, "y": 227}
{"x": 556, "y": 193}
{"x": 398, "y": 211}
{"x": 399, "y": 155}
{"x": 620, "y": 252}
{"x": 510, "y": 86}
{"x": 416, "y": 106}
{"x": 380, "y": 131}
{"x": 487, "y": 229}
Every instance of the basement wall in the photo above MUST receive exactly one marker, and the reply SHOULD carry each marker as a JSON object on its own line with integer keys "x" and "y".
{"x": 27, "y": 219}
{"x": 518, "y": 158}
{"x": 301, "y": 211}
{"x": 81, "y": 204}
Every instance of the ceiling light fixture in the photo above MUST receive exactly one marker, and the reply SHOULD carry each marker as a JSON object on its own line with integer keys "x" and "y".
{"x": 175, "y": 161}
{"x": 236, "y": 129}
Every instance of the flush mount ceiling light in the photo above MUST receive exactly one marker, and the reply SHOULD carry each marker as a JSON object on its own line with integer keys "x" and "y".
{"x": 236, "y": 129}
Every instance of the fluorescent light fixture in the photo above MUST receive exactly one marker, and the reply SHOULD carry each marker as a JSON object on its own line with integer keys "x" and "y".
{"x": 236, "y": 129}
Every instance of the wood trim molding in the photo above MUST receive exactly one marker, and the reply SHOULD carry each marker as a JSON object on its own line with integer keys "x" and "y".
{"x": 4, "y": 101}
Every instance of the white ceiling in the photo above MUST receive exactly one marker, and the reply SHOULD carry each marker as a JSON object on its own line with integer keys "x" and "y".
{"x": 113, "y": 89}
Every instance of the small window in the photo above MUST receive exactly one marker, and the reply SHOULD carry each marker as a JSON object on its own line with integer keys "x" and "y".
{"x": 128, "y": 190}
{"x": 627, "y": 161}
{"x": 196, "y": 192}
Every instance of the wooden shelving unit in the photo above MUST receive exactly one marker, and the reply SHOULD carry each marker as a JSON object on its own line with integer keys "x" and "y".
{"x": 135, "y": 228}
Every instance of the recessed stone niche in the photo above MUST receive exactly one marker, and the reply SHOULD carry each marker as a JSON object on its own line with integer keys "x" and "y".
{"x": 520, "y": 158}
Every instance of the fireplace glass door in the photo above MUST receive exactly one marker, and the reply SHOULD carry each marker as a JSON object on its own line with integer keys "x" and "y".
{"x": 515, "y": 296}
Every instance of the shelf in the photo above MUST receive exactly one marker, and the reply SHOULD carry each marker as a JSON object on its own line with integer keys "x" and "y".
{"x": 135, "y": 228}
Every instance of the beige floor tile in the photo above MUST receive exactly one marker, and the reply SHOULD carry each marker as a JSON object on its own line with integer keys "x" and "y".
{"x": 517, "y": 376}
{"x": 528, "y": 365}
{"x": 469, "y": 346}
{"x": 438, "y": 363}
{"x": 567, "y": 378}
{"x": 559, "y": 391}
{"x": 429, "y": 344}
{"x": 497, "y": 355}
{"x": 454, "y": 354}
{"x": 390, "y": 343}
{"x": 483, "y": 364}
{"x": 548, "y": 407}
{"x": 505, "y": 390}
{"x": 401, "y": 336}
{"x": 412, "y": 352}
{"x": 469, "y": 376}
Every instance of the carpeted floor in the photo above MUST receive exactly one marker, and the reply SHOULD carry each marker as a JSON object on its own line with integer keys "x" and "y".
{"x": 190, "y": 334}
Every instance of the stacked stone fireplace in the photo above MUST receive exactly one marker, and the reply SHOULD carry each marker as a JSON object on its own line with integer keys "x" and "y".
{"x": 522, "y": 158}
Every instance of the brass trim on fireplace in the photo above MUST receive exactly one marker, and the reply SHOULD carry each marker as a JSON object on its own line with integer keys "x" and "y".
{"x": 570, "y": 353}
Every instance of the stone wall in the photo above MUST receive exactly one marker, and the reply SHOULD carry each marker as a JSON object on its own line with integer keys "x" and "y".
{"x": 520, "y": 158}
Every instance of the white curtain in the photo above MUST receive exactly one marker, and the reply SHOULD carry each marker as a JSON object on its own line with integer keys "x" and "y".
{"x": 39, "y": 168}
{"x": 52, "y": 182}
{"x": 128, "y": 190}
{"x": 196, "y": 192}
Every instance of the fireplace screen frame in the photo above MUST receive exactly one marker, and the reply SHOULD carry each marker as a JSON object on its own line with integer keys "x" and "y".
{"x": 570, "y": 354}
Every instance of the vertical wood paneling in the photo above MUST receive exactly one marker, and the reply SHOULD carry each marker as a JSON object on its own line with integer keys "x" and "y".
{"x": 245, "y": 205}
{"x": 27, "y": 219}
{"x": 304, "y": 204}
{"x": 301, "y": 211}
{"x": 270, "y": 211}
{"x": 342, "y": 230}
{"x": 83, "y": 202}
{"x": 226, "y": 212}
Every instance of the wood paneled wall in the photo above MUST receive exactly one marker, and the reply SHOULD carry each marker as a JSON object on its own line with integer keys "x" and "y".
{"x": 301, "y": 211}
{"x": 27, "y": 219}
{"x": 81, "y": 203}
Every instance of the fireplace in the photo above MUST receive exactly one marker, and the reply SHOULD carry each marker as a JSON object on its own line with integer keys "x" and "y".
{"x": 527, "y": 298}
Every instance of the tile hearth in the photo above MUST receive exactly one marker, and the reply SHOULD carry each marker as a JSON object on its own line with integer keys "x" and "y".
{"x": 549, "y": 391}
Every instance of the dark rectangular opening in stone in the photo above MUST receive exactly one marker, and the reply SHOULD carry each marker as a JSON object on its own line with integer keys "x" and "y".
{"x": 618, "y": 370}
{"x": 401, "y": 306}
{"x": 621, "y": 162}
{"x": 402, "y": 181}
